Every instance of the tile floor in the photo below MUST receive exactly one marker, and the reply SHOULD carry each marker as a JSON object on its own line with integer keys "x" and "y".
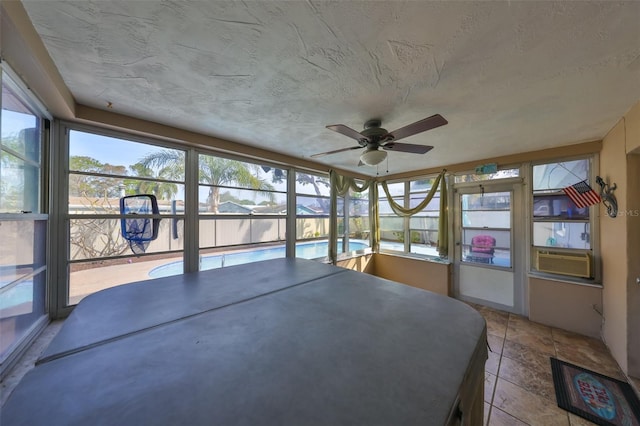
{"x": 518, "y": 382}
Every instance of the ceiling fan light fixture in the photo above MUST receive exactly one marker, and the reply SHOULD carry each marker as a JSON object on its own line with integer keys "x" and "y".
{"x": 373, "y": 157}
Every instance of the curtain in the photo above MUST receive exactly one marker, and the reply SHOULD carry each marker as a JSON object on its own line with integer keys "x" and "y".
{"x": 340, "y": 185}
{"x": 443, "y": 220}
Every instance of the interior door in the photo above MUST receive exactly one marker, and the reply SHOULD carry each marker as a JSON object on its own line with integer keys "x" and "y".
{"x": 489, "y": 243}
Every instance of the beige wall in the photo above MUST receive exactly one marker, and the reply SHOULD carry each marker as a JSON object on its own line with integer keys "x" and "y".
{"x": 633, "y": 250}
{"x": 619, "y": 243}
{"x": 613, "y": 237}
{"x": 566, "y": 305}
{"x": 632, "y": 125}
{"x": 418, "y": 273}
{"x": 360, "y": 263}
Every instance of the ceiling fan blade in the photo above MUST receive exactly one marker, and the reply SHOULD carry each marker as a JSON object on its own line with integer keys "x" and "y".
{"x": 334, "y": 152}
{"x": 407, "y": 147}
{"x": 418, "y": 127}
{"x": 347, "y": 131}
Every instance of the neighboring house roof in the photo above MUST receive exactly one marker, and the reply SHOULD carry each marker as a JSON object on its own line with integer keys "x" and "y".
{"x": 231, "y": 207}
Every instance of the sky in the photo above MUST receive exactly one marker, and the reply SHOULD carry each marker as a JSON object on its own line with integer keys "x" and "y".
{"x": 106, "y": 149}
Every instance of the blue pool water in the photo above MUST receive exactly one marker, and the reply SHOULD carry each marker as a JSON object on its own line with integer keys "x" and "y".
{"x": 303, "y": 250}
{"x": 17, "y": 295}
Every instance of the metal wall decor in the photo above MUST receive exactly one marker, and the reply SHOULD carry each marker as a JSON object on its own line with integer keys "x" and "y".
{"x": 608, "y": 199}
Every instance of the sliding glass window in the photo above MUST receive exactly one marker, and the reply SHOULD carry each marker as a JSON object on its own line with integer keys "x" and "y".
{"x": 313, "y": 206}
{"x": 23, "y": 218}
{"x": 125, "y": 214}
{"x": 416, "y": 234}
{"x": 354, "y": 228}
{"x": 242, "y": 210}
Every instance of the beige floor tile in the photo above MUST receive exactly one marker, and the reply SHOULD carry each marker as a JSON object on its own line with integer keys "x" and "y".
{"x": 487, "y": 409}
{"x": 533, "y": 327}
{"x": 534, "y": 376}
{"x": 492, "y": 364}
{"x": 495, "y": 343}
{"x": 525, "y": 354}
{"x": 535, "y": 336}
{"x": 496, "y": 321}
{"x": 570, "y": 338}
{"x": 489, "y": 385}
{"x": 500, "y": 418}
{"x": 599, "y": 361}
{"x": 527, "y": 406}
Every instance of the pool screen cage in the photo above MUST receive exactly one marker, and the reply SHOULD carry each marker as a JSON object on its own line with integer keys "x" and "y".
{"x": 139, "y": 232}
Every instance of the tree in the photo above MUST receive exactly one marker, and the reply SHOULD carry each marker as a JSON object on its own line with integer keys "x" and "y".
{"x": 162, "y": 190}
{"x": 313, "y": 180}
{"x": 213, "y": 171}
{"x": 94, "y": 186}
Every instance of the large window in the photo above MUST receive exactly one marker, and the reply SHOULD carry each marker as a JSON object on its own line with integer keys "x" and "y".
{"x": 243, "y": 211}
{"x": 23, "y": 222}
{"x": 561, "y": 231}
{"x": 313, "y": 205}
{"x": 354, "y": 227}
{"x": 417, "y": 234}
{"x": 104, "y": 245}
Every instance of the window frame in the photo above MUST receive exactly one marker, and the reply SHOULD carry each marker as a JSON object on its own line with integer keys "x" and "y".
{"x": 42, "y": 215}
{"x": 592, "y": 221}
{"x": 406, "y": 221}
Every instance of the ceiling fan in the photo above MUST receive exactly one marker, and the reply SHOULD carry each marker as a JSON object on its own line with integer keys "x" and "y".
{"x": 373, "y": 137}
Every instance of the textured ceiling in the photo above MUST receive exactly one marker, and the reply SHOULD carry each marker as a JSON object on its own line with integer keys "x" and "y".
{"x": 509, "y": 77}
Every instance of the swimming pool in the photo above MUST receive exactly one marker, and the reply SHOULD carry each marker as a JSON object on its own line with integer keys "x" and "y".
{"x": 22, "y": 293}
{"x": 304, "y": 250}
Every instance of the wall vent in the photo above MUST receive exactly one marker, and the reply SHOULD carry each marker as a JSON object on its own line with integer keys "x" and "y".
{"x": 574, "y": 264}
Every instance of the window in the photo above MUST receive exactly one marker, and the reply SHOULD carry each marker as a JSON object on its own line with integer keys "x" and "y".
{"x": 559, "y": 227}
{"x": 486, "y": 228}
{"x": 478, "y": 177}
{"x": 23, "y": 218}
{"x": 242, "y": 206}
{"x": 354, "y": 227}
{"x": 312, "y": 215}
{"x": 102, "y": 170}
{"x": 417, "y": 234}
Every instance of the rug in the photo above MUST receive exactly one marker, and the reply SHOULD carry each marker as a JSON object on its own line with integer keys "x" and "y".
{"x": 600, "y": 399}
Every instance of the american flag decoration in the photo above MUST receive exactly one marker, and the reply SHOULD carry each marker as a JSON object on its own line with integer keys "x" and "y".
{"x": 582, "y": 194}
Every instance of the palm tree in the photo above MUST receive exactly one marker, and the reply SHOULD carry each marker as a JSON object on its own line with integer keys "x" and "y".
{"x": 213, "y": 171}
{"x": 163, "y": 190}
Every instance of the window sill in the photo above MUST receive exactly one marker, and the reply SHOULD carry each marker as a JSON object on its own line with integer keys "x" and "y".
{"x": 414, "y": 256}
{"x": 564, "y": 279}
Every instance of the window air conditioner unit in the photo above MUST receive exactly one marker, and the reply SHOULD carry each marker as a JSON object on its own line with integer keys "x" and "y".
{"x": 574, "y": 264}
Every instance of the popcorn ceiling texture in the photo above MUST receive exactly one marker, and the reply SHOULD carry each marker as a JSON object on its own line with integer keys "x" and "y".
{"x": 509, "y": 76}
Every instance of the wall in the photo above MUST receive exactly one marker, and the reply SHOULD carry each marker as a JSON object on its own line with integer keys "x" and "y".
{"x": 632, "y": 127}
{"x": 360, "y": 263}
{"x": 424, "y": 274}
{"x": 613, "y": 237}
{"x": 619, "y": 245}
{"x": 550, "y": 301}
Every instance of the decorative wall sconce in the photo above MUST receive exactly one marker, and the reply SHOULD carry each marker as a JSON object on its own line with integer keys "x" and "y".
{"x": 608, "y": 199}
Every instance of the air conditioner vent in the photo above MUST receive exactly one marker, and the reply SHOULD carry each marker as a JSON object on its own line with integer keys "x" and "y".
{"x": 574, "y": 264}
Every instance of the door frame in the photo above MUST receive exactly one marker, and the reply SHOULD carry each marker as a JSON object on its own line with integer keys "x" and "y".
{"x": 519, "y": 240}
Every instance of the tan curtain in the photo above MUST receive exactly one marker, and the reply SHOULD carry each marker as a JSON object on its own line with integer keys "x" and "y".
{"x": 374, "y": 218}
{"x": 339, "y": 187}
{"x": 443, "y": 221}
